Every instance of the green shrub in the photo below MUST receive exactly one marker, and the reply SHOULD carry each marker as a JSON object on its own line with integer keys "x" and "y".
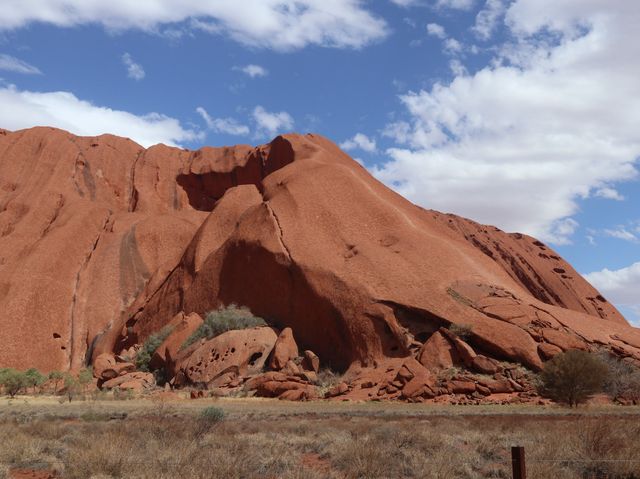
{"x": 71, "y": 386}
{"x": 224, "y": 319}
{"x": 85, "y": 377}
{"x": 33, "y": 378}
{"x": 56, "y": 377}
{"x": 207, "y": 419}
{"x": 149, "y": 347}
{"x": 13, "y": 381}
{"x": 573, "y": 376}
{"x": 212, "y": 414}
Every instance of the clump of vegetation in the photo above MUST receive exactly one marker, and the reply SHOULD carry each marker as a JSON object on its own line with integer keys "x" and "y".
{"x": 207, "y": 419}
{"x": 224, "y": 319}
{"x": 13, "y": 381}
{"x": 33, "y": 378}
{"x": 573, "y": 376}
{"x": 56, "y": 377}
{"x": 149, "y": 347}
{"x": 327, "y": 379}
{"x": 623, "y": 380}
{"x": 463, "y": 331}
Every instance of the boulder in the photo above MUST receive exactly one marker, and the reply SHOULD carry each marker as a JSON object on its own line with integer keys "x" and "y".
{"x": 438, "y": 353}
{"x": 310, "y": 361}
{"x": 279, "y": 385}
{"x": 136, "y": 381}
{"x": 338, "y": 389}
{"x": 233, "y": 353}
{"x": 485, "y": 365}
{"x": 284, "y": 350}
{"x": 461, "y": 387}
{"x": 548, "y": 351}
{"x": 182, "y": 327}
{"x": 563, "y": 339}
{"x": 107, "y": 367}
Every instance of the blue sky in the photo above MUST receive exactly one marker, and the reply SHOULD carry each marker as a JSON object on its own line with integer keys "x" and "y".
{"x": 518, "y": 113}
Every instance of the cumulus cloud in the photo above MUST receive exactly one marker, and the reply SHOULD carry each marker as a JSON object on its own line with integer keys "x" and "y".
{"x": 436, "y": 30}
{"x": 278, "y": 24}
{"x": 619, "y": 286}
{"x": 487, "y": 18}
{"x": 359, "y": 141}
{"x": 521, "y": 141}
{"x": 134, "y": 70}
{"x": 271, "y": 123}
{"x": 228, "y": 126}
{"x": 253, "y": 70}
{"x": 13, "y": 64}
{"x": 25, "y": 109}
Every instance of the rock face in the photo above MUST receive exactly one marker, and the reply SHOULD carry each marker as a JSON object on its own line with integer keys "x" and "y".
{"x": 103, "y": 243}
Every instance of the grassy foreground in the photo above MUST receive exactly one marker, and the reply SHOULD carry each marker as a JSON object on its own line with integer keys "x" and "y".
{"x": 167, "y": 438}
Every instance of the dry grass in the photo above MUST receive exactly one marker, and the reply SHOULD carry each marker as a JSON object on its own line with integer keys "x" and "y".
{"x": 271, "y": 439}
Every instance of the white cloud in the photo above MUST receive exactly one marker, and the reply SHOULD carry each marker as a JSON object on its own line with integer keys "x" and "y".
{"x": 359, "y": 141}
{"x": 519, "y": 142}
{"x": 406, "y": 3}
{"x": 452, "y": 46}
{"x": 228, "y": 126}
{"x": 609, "y": 193}
{"x": 457, "y": 68}
{"x": 620, "y": 286}
{"x": 488, "y": 18}
{"x": 271, "y": 123}
{"x": 13, "y": 64}
{"x": 621, "y": 233}
{"x": 278, "y": 24}
{"x": 25, "y": 109}
{"x": 134, "y": 70}
{"x": 253, "y": 70}
{"x": 436, "y": 30}
{"x": 455, "y": 4}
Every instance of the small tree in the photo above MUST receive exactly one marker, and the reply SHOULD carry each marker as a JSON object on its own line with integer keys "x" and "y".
{"x": 71, "y": 386}
{"x": 56, "y": 377}
{"x": 13, "y": 381}
{"x": 573, "y": 376}
{"x": 33, "y": 378}
{"x": 85, "y": 377}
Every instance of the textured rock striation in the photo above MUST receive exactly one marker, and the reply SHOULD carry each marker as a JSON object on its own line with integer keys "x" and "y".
{"x": 103, "y": 243}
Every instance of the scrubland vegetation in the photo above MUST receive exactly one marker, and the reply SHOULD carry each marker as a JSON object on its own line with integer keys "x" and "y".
{"x": 236, "y": 439}
{"x": 225, "y": 319}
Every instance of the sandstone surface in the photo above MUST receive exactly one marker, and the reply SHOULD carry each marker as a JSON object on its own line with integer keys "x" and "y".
{"x": 103, "y": 243}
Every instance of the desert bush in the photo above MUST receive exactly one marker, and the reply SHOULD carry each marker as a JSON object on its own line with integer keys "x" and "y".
{"x": 13, "y": 381}
{"x": 149, "y": 347}
{"x": 71, "y": 386}
{"x": 224, "y": 319}
{"x": 623, "y": 379}
{"x": 326, "y": 379}
{"x": 463, "y": 331}
{"x": 208, "y": 418}
{"x": 56, "y": 377}
{"x": 572, "y": 377}
{"x": 85, "y": 377}
{"x": 33, "y": 378}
